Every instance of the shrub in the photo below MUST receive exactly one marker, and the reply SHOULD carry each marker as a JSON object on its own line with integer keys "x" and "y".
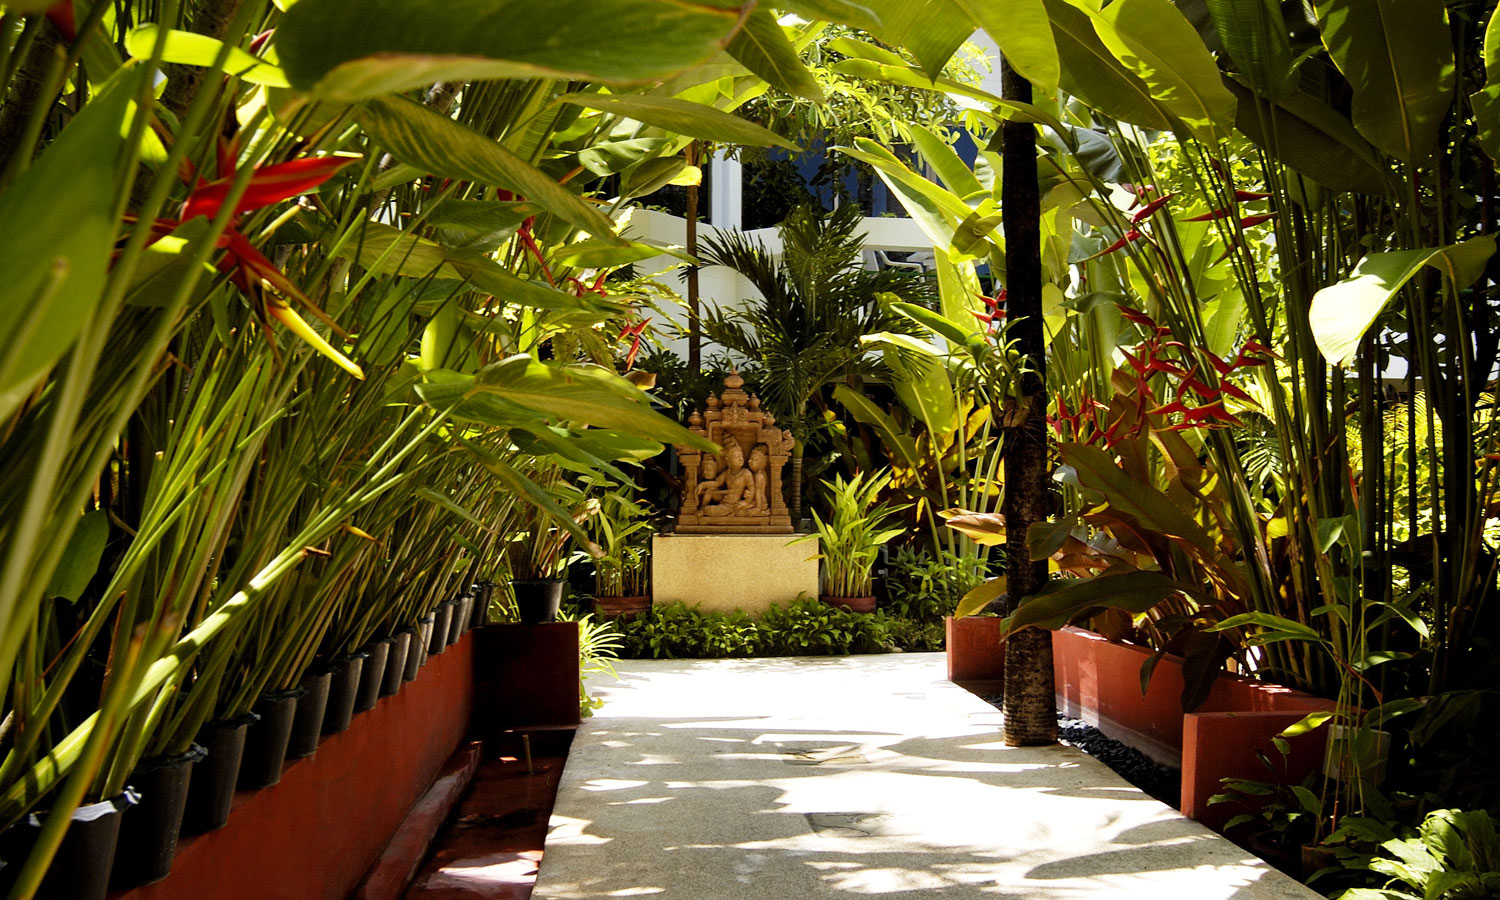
{"x": 805, "y": 627}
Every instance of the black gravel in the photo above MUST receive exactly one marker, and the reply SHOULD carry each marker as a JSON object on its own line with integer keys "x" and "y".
{"x": 1162, "y": 782}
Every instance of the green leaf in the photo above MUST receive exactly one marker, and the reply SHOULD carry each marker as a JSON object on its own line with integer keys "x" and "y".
{"x": 1308, "y": 799}
{"x": 1312, "y": 137}
{"x": 1306, "y": 723}
{"x": 1023, "y": 33}
{"x": 1341, "y": 314}
{"x": 975, "y": 601}
{"x": 616, "y": 156}
{"x": 189, "y": 49}
{"x": 586, "y": 394}
{"x": 57, "y": 228}
{"x": 899, "y": 73}
{"x": 931, "y": 31}
{"x": 524, "y": 487}
{"x": 1124, "y": 494}
{"x": 1060, "y": 602}
{"x": 80, "y": 560}
{"x": 1091, "y": 72}
{"x": 387, "y": 251}
{"x": 421, "y": 137}
{"x": 1156, "y": 42}
{"x": 353, "y": 49}
{"x": 682, "y": 117}
{"x": 762, "y": 47}
{"x": 448, "y": 504}
{"x": 1255, "y": 35}
{"x": 1270, "y": 622}
{"x": 946, "y": 163}
{"x": 936, "y": 322}
{"x": 1398, "y": 57}
{"x": 901, "y": 444}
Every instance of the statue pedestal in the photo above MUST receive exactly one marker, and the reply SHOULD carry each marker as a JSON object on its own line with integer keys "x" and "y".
{"x": 721, "y": 572}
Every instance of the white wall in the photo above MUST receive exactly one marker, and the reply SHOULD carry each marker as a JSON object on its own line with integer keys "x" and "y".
{"x": 725, "y": 287}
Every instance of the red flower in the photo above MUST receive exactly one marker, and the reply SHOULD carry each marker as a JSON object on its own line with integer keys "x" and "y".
{"x": 247, "y": 266}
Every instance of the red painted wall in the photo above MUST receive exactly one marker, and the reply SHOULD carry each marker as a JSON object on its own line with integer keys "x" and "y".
{"x": 314, "y": 835}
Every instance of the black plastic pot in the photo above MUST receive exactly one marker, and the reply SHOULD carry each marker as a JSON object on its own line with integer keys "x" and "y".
{"x": 266, "y": 741}
{"x": 377, "y": 654}
{"x": 307, "y": 725}
{"x": 443, "y": 618}
{"x": 456, "y": 621}
{"x": 395, "y": 665}
{"x": 211, "y": 789}
{"x": 418, "y": 654}
{"x": 538, "y": 601}
{"x": 467, "y": 619}
{"x": 149, "y": 830}
{"x": 484, "y": 594}
{"x": 342, "y": 692}
{"x": 80, "y": 870}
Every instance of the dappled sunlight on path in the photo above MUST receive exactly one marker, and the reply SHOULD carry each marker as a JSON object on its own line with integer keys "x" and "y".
{"x": 859, "y": 776}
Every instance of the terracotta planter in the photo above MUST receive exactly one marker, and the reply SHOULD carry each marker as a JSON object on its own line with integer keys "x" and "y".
{"x": 621, "y": 607}
{"x": 850, "y": 604}
{"x": 538, "y": 600}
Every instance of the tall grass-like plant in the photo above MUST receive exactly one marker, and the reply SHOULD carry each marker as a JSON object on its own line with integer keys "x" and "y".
{"x": 850, "y": 536}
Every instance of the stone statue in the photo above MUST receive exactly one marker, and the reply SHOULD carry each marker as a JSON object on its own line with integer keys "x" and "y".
{"x": 728, "y": 493}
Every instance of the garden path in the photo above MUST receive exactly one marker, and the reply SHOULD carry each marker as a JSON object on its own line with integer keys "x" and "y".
{"x": 774, "y": 779}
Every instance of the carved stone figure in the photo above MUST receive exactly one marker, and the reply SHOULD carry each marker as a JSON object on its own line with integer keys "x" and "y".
{"x": 729, "y": 493}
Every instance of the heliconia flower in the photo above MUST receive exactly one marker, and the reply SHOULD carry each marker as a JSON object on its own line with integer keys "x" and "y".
{"x": 1138, "y": 317}
{"x": 1246, "y": 196}
{"x": 1146, "y": 211}
{"x": 247, "y": 267}
{"x": 1131, "y": 235}
{"x": 270, "y": 184}
{"x": 60, "y": 14}
{"x": 635, "y": 333}
{"x": 1251, "y": 221}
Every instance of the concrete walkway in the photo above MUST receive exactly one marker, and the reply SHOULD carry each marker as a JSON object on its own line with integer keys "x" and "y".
{"x": 781, "y": 779}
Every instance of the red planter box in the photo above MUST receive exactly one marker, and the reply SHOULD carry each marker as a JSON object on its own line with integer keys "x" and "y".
{"x": 314, "y": 835}
{"x": 1100, "y": 682}
{"x": 976, "y": 655}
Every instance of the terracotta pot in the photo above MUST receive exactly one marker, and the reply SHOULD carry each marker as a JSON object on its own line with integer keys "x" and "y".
{"x": 621, "y": 607}
{"x": 850, "y": 604}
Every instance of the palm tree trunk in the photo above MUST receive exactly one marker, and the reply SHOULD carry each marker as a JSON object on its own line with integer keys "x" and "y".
{"x": 796, "y": 504}
{"x": 690, "y": 246}
{"x": 1030, "y": 706}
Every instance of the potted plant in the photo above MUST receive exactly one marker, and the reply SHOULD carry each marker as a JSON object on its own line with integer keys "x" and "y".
{"x": 851, "y": 537}
{"x": 537, "y": 561}
{"x": 623, "y": 534}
